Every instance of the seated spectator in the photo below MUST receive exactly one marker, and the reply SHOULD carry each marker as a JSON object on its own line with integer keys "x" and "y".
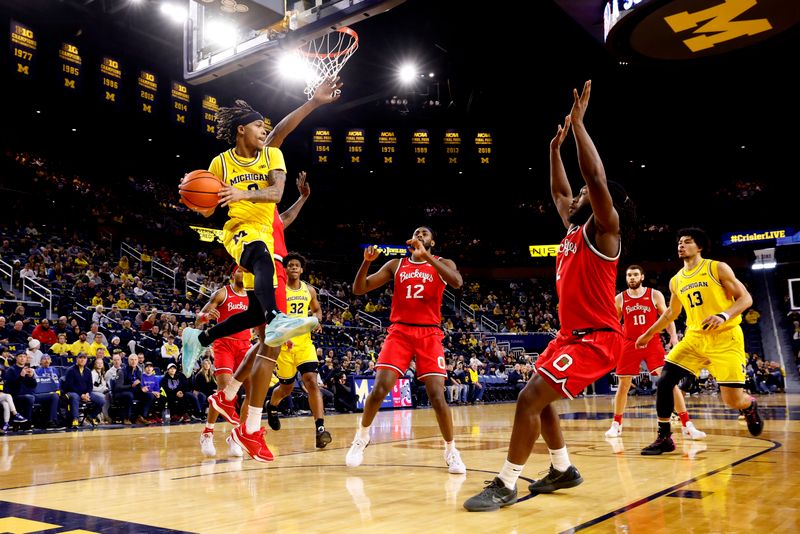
{"x": 115, "y": 317}
{"x": 170, "y": 353}
{"x": 452, "y": 385}
{"x": 20, "y": 382}
{"x": 100, "y": 385}
{"x": 44, "y": 334}
{"x": 95, "y": 337}
{"x": 48, "y": 392}
{"x": 127, "y": 387}
{"x": 516, "y": 378}
{"x": 81, "y": 345}
{"x": 114, "y": 370}
{"x": 97, "y": 316}
{"x": 203, "y": 383}
{"x": 461, "y": 376}
{"x": 152, "y": 383}
{"x": 34, "y": 354}
{"x": 78, "y": 387}
{"x": 343, "y": 400}
{"x": 17, "y": 335}
{"x": 19, "y": 315}
{"x": 9, "y": 409}
{"x": 370, "y": 370}
{"x": 477, "y": 389}
{"x": 180, "y": 400}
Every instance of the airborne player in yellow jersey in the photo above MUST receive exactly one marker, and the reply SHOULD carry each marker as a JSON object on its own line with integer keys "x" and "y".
{"x": 253, "y": 177}
{"x": 299, "y": 354}
{"x": 714, "y": 300}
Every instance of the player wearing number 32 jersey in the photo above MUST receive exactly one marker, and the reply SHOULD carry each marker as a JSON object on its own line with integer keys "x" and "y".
{"x": 419, "y": 282}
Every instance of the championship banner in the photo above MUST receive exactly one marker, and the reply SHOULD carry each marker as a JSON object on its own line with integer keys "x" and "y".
{"x": 322, "y": 140}
{"x": 180, "y": 102}
{"x": 387, "y": 140}
{"x": 420, "y": 142}
{"x": 543, "y": 251}
{"x": 111, "y": 79}
{"x": 208, "y": 235}
{"x": 23, "y": 49}
{"x": 148, "y": 89}
{"x": 452, "y": 147}
{"x": 398, "y": 397}
{"x": 484, "y": 150}
{"x": 355, "y": 146}
{"x": 389, "y": 250}
{"x": 70, "y": 60}
{"x": 210, "y": 108}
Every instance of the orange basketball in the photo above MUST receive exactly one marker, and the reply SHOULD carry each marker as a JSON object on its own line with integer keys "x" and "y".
{"x": 199, "y": 190}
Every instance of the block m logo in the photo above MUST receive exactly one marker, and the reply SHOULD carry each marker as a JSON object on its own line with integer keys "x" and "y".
{"x": 719, "y": 25}
{"x": 69, "y": 84}
{"x": 111, "y": 97}
{"x": 23, "y": 69}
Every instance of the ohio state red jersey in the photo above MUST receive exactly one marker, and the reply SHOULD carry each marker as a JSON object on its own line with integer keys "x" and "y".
{"x": 232, "y": 305}
{"x": 279, "y": 241}
{"x": 586, "y": 284}
{"x": 417, "y": 298}
{"x": 638, "y": 314}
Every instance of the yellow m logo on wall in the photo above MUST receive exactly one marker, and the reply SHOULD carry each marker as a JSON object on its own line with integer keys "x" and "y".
{"x": 719, "y": 25}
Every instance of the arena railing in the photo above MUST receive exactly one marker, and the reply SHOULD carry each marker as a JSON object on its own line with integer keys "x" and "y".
{"x": 488, "y": 324}
{"x": 6, "y": 269}
{"x": 32, "y": 286}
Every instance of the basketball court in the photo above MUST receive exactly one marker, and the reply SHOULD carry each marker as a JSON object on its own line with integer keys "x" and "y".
{"x": 158, "y": 481}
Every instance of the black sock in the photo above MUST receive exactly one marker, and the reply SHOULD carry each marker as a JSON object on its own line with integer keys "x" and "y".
{"x": 319, "y": 423}
{"x": 664, "y": 430}
{"x": 204, "y": 339}
{"x": 268, "y": 317}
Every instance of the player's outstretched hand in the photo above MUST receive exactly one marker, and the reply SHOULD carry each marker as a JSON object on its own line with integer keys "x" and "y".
{"x": 371, "y": 253}
{"x": 561, "y": 134}
{"x": 302, "y": 185}
{"x": 329, "y": 91}
{"x": 580, "y": 103}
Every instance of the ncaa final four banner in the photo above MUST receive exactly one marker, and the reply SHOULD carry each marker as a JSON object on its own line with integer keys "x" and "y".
{"x": 484, "y": 151}
{"x": 420, "y": 144}
{"x": 322, "y": 140}
{"x": 452, "y": 147}
{"x": 356, "y": 149}
{"x": 180, "y": 102}
{"x": 110, "y": 79}
{"x": 71, "y": 62}
{"x": 148, "y": 90}
{"x": 23, "y": 49}
{"x": 387, "y": 141}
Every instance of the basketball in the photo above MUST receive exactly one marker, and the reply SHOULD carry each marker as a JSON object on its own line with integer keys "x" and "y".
{"x": 199, "y": 190}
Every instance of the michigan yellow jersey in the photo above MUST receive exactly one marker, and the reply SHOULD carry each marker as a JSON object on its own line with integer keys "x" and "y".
{"x": 702, "y": 295}
{"x": 298, "y": 304}
{"x": 249, "y": 175}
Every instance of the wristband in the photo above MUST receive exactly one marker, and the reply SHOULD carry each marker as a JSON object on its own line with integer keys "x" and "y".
{"x": 202, "y": 317}
{"x": 724, "y": 316}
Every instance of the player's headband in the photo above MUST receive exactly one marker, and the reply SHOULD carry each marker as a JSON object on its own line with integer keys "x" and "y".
{"x": 248, "y": 118}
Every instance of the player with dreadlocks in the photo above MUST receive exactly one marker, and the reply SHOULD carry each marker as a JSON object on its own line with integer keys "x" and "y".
{"x": 590, "y": 338}
{"x": 253, "y": 177}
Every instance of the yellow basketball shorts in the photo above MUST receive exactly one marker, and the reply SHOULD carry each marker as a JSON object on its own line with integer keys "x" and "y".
{"x": 236, "y": 234}
{"x": 722, "y": 353}
{"x": 290, "y": 359}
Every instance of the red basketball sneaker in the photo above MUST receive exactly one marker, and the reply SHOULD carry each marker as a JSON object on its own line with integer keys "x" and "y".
{"x": 227, "y": 408}
{"x": 253, "y": 443}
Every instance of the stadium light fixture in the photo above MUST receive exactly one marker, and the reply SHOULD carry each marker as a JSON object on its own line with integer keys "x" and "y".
{"x": 407, "y": 73}
{"x": 176, "y": 13}
{"x": 292, "y": 67}
{"x": 222, "y": 33}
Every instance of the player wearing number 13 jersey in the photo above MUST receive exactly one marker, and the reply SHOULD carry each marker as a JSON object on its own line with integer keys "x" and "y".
{"x": 419, "y": 282}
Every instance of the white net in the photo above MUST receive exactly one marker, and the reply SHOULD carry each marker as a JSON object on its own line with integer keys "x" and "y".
{"x": 325, "y": 57}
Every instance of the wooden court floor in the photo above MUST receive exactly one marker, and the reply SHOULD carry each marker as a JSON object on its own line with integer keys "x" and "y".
{"x": 153, "y": 479}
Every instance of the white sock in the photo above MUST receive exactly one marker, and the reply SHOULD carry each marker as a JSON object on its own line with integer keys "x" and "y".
{"x": 231, "y": 389}
{"x": 253, "y": 422}
{"x": 510, "y": 473}
{"x": 210, "y": 426}
{"x": 363, "y": 432}
{"x": 449, "y": 446}
{"x": 560, "y": 459}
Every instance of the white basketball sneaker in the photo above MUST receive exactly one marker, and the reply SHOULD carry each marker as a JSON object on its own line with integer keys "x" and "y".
{"x": 207, "y": 444}
{"x": 690, "y": 432}
{"x": 454, "y": 463}
{"x": 356, "y": 453}
{"x": 234, "y": 449}
{"x": 615, "y": 431}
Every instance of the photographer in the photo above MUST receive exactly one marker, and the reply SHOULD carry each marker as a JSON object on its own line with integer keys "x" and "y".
{"x": 342, "y": 394}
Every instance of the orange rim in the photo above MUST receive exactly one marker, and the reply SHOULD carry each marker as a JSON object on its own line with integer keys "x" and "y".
{"x": 349, "y": 50}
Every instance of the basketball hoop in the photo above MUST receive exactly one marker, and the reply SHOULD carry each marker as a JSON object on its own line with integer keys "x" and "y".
{"x": 324, "y": 57}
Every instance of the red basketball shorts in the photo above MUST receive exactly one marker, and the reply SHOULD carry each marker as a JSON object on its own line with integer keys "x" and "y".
{"x": 405, "y": 342}
{"x": 280, "y": 289}
{"x": 629, "y": 362}
{"x": 228, "y": 354}
{"x": 570, "y": 363}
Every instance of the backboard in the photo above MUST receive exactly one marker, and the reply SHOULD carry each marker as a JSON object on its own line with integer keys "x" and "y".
{"x": 222, "y": 36}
